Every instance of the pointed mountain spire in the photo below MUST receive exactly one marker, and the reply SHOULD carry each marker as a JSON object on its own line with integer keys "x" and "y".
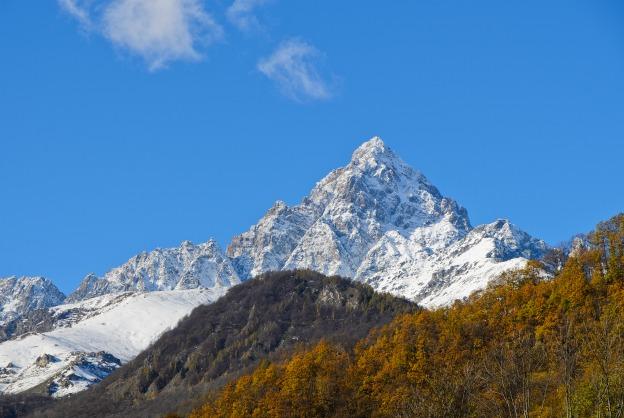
{"x": 372, "y": 152}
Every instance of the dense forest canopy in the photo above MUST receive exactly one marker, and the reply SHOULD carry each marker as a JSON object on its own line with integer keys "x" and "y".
{"x": 527, "y": 346}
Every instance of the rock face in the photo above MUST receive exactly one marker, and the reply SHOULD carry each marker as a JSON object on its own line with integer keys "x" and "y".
{"x": 84, "y": 370}
{"x": 45, "y": 359}
{"x": 20, "y": 295}
{"x": 576, "y": 244}
{"x": 186, "y": 267}
{"x": 378, "y": 221}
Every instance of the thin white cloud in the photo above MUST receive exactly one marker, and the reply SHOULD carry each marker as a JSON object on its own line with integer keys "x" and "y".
{"x": 163, "y": 31}
{"x": 78, "y": 9}
{"x": 241, "y": 13}
{"x": 293, "y": 66}
{"x": 160, "y": 31}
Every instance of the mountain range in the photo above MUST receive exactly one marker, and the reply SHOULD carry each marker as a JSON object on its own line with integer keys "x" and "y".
{"x": 375, "y": 220}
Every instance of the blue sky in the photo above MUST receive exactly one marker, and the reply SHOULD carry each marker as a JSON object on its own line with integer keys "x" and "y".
{"x": 131, "y": 124}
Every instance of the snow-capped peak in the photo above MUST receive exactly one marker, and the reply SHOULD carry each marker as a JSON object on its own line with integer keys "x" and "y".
{"x": 372, "y": 152}
{"x": 380, "y": 221}
{"x": 19, "y": 295}
{"x": 375, "y": 157}
{"x": 344, "y": 215}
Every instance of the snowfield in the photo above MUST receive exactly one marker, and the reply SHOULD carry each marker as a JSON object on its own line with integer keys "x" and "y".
{"x": 121, "y": 325}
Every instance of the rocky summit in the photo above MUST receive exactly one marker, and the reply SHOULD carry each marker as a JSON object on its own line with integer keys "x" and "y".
{"x": 379, "y": 221}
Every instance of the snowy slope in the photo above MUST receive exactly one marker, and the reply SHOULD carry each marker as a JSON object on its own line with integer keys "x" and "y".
{"x": 120, "y": 325}
{"x": 378, "y": 221}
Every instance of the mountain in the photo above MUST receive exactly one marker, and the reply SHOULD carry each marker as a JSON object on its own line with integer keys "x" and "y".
{"x": 265, "y": 318}
{"x": 346, "y": 213}
{"x": 19, "y": 295}
{"x": 86, "y": 340}
{"x": 186, "y": 267}
{"x": 375, "y": 220}
{"x": 380, "y": 222}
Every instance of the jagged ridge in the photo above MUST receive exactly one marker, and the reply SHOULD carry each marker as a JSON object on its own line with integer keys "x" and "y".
{"x": 186, "y": 267}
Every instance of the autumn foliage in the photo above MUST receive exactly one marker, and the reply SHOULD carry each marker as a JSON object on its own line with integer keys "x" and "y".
{"x": 529, "y": 345}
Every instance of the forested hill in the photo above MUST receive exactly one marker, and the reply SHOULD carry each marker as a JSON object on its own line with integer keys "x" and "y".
{"x": 526, "y": 346}
{"x": 269, "y": 317}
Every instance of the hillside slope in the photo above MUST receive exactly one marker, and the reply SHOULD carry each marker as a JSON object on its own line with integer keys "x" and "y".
{"x": 264, "y": 318}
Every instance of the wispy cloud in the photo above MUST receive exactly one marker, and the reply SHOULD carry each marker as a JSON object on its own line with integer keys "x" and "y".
{"x": 294, "y": 67}
{"x": 160, "y": 31}
{"x": 78, "y": 9}
{"x": 241, "y": 13}
{"x": 164, "y": 31}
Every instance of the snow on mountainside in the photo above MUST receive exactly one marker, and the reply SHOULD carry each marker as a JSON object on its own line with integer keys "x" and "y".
{"x": 186, "y": 267}
{"x": 24, "y": 294}
{"x": 93, "y": 338}
{"x": 378, "y": 221}
{"x": 106, "y": 321}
